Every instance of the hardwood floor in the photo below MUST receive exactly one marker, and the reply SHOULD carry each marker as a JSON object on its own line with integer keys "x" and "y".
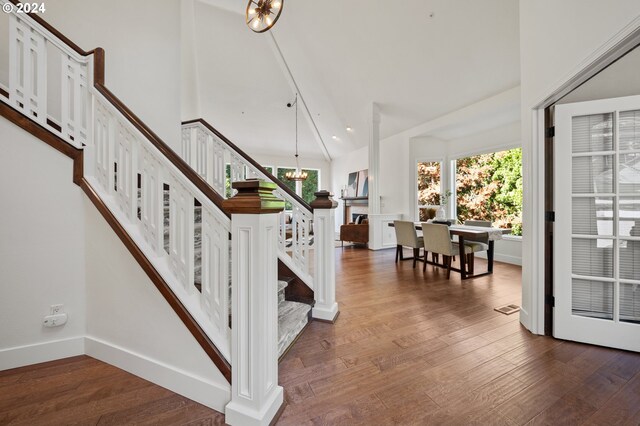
{"x": 414, "y": 348}
{"x": 408, "y": 348}
{"x": 84, "y": 391}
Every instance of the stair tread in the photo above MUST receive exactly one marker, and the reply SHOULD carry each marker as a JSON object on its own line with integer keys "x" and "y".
{"x": 292, "y": 318}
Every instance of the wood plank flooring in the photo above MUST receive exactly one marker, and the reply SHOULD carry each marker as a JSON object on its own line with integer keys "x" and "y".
{"x": 408, "y": 348}
{"x": 84, "y": 391}
{"x": 414, "y": 348}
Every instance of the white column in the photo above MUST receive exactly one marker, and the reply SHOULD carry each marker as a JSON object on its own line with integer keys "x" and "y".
{"x": 374, "y": 160}
{"x": 255, "y": 394}
{"x": 324, "y": 284}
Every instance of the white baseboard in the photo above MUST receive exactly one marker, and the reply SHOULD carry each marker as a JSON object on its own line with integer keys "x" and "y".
{"x": 40, "y": 352}
{"x": 514, "y": 260}
{"x": 199, "y": 389}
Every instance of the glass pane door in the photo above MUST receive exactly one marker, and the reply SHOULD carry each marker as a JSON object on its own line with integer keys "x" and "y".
{"x": 597, "y": 229}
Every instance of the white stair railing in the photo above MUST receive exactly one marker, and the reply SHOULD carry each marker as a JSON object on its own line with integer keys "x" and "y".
{"x": 210, "y": 155}
{"x": 128, "y": 172}
{"x": 30, "y": 45}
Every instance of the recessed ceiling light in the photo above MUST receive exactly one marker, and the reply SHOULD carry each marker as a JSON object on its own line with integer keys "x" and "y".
{"x": 349, "y": 129}
{"x": 334, "y": 137}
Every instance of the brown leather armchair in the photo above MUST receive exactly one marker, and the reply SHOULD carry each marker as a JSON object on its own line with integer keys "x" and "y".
{"x": 356, "y": 233}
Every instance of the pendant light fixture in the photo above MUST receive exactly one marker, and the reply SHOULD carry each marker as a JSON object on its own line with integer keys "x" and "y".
{"x": 297, "y": 174}
{"x": 261, "y": 15}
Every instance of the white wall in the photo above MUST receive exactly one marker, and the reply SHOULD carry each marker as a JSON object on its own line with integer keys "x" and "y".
{"x": 125, "y": 311}
{"x": 42, "y": 247}
{"x": 142, "y": 53}
{"x": 189, "y": 99}
{"x": 555, "y": 38}
{"x": 622, "y": 78}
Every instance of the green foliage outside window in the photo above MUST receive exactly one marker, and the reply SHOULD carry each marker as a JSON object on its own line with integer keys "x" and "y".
{"x": 310, "y": 186}
{"x": 428, "y": 187}
{"x": 289, "y": 183}
{"x": 489, "y": 187}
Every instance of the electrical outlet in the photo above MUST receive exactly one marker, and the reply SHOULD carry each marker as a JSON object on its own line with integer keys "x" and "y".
{"x": 55, "y": 309}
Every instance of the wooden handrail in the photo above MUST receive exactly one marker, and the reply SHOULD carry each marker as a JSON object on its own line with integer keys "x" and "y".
{"x": 251, "y": 161}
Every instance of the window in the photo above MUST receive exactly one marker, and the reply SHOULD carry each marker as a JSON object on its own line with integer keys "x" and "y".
{"x": 489, "y": 187}
{"x": 429, "y": 175}
{"x": 310, "y": 186}
{"x": 282, "y": 171}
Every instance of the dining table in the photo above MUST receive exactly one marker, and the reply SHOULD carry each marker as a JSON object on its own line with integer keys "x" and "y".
{"x": 483, "y": 234}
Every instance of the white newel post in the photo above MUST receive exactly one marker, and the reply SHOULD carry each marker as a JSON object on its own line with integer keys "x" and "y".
{"x": 324, "y": 288}
{"x": 256, "y": 397}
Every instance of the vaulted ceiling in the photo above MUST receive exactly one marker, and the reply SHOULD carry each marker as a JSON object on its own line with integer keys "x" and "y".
{"x": 417, "y": 59}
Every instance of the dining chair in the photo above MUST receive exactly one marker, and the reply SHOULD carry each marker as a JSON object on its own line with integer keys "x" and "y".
{"x": 406, "y": 236}
{"x": 478, "y": 245}
{"x": 438, "y": 240}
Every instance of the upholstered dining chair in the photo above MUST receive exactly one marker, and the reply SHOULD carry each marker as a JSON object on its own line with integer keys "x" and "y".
{"x": 438, "y": 240}
{"x": 477, "y": 245}
{"x": 406, "y": 236}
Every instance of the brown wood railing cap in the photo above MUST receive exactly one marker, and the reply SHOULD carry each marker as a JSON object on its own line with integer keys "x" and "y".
{"x": 255, "y": 196}
{"x": 323, "y": 200}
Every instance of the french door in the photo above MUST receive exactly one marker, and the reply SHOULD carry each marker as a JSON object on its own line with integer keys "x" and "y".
{"x": 597, "y": 227}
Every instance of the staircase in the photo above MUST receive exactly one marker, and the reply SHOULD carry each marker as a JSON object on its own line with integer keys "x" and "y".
{"x": 293, "y": 317}
{"x": 211, "y": 258}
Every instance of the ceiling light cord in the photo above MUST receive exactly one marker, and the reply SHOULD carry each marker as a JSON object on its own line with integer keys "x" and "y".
{"x": 298, "y": 174}
{"x": 296, "y": 103}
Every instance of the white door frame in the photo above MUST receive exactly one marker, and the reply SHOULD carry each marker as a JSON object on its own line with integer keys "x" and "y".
{"x": 534, "y": 166}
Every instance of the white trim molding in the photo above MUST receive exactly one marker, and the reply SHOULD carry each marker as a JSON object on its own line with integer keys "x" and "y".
{"x": 21, "y": 356}
{"x": 198, "y": 389}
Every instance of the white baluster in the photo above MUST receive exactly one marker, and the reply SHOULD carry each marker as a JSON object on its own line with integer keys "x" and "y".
{"x": 74, "y": 100}
{"x": 214, "y": 271}
{"x": 151, "y": 203}
{"x": 187, "y": 144}
{"x": 219, "y": 172}
{"x": 200, "y": 159}
{"x": 28, "y": 70}
{"x": 126, "y": 192}
{"x": 181, "y": 236}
